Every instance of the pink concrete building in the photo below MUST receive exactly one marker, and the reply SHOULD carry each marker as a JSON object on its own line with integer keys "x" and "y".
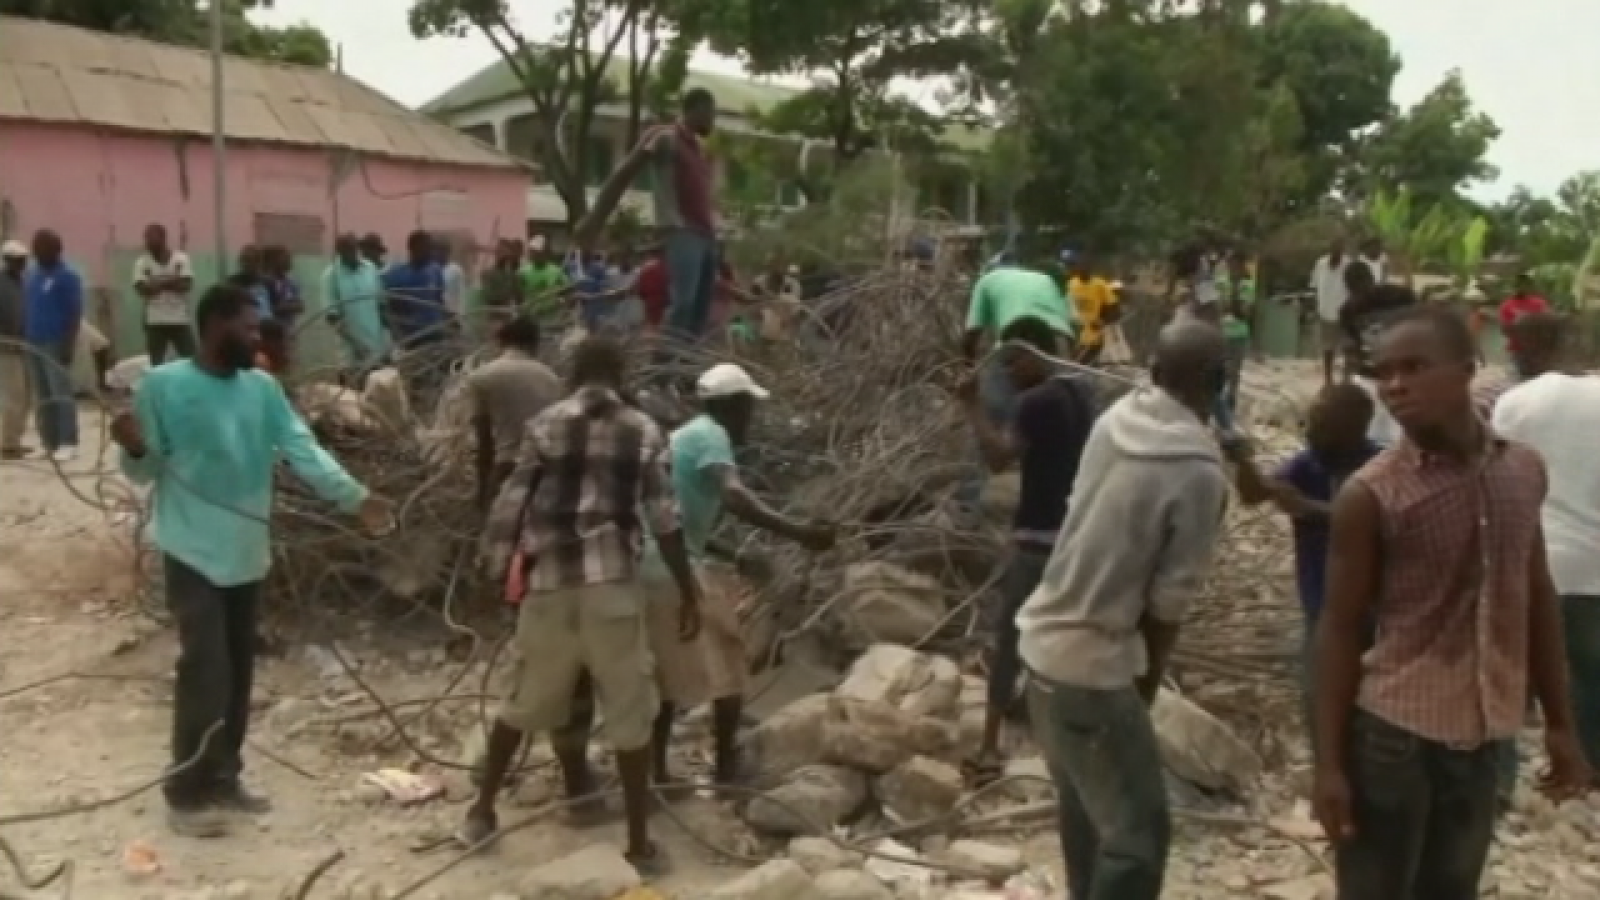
{"x": 101, "y": 135}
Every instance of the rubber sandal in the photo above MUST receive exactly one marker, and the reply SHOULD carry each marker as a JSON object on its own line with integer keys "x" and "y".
{"x": 653, "y": 866}
{"x": 475, "y": 830}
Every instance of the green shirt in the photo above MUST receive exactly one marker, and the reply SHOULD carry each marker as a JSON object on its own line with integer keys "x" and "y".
{"x": 541, "y": 288}
{"x": 700, "y": 450}
{"x": 1235, "y": 328}
{"x": 1005, "y": 295}
{"x": 212, "y": 444}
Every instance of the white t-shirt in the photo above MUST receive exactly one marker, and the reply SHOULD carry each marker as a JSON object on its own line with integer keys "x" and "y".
{"x": 1559, "y": 416}
{"x": 167, "y": 307}
{"x": 1379, "y": 267}
{"x": 455, "y": 288}
{"x": 1327, "y": 280}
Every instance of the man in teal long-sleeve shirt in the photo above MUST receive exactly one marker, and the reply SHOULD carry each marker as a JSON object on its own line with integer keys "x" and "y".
{"x": 205, "y": 434}
{"x": 352, "y": 288}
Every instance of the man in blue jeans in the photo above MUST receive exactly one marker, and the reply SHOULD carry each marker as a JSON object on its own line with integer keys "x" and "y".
{"x": 54, "y": 302}
{"x": 1045, "y": 440}
{"x": 685, "y": 212}
{"x": 1135, "y": 549}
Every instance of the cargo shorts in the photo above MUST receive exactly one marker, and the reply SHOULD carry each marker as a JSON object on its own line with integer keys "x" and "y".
{"x": 598, "y": 627}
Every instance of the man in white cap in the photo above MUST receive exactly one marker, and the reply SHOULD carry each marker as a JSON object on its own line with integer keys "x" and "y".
{"x": 15, "y": 401}
{"x": 706, "y": 480}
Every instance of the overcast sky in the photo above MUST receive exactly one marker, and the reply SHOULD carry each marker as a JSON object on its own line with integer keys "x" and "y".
{"x": 1530, "y": 63}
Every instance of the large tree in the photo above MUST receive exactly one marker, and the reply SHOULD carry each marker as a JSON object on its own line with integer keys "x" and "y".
{"x": 633, "y": 52}
{"x": 184, "y": 22}
{"x": 1436, "y": 149}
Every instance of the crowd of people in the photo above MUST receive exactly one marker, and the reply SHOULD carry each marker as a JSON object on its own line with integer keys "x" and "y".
{"x": 1443, "y": 534}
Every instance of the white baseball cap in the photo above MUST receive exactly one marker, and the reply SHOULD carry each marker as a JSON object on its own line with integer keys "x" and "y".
{"x": 14, "y": 249}
{"x": 728, "y": 380}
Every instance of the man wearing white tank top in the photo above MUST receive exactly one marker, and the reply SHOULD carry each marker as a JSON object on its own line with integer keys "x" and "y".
{"x": 1556, "y": 410}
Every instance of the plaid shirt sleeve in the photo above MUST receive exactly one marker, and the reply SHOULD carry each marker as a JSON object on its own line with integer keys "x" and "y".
{"x": 503, "y": 529}
{"x": 659, "y": 502}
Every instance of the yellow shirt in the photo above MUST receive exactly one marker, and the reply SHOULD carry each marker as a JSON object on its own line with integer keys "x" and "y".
{"x": 1091, "y": 299}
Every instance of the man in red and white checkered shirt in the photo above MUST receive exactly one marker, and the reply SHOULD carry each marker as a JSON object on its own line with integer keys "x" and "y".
{"x": 1437, "y": 542}
{"x": 592, "y": 472}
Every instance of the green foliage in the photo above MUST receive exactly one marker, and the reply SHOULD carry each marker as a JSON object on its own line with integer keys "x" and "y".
{"x": 1437, "y": 148}
{"x": 185, "y": 22}
{"x": 633, "y": 52}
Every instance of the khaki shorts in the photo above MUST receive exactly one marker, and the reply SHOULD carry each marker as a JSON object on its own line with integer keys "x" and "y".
{"x": 713, "y": 665}
{"x": 599, "y": 627}
{"x": 1331, "y": 336}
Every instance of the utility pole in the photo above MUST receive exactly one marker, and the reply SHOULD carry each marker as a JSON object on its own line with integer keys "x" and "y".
{"x": 219, "y": 140}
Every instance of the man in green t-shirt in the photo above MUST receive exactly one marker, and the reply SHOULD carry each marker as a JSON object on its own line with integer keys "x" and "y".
{"x": 1002, "y": 296}
{"x": 544, "y": 283}
{"x": 1236, "y": 289}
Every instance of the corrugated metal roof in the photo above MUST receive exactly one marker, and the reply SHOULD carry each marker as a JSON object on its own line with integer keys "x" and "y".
{"x": 55, "y": 73}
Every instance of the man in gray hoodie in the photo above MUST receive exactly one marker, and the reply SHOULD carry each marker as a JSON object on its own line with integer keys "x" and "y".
{"x": 1146, "y": 510}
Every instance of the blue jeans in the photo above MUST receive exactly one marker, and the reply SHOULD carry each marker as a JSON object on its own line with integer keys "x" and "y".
{"x": 1112, "y": 814}
{"x": 55, "y": 409}
{"x": 691, "y": 279}
{"x": 1424, "y": 815}
{"x": 1022, "y": 574}
{"x": 999, "y": 398}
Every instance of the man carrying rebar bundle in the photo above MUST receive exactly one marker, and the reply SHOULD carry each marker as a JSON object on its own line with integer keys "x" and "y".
{"x": 591, "y": 474}
{"x": 1045, "y": 440}
{"x": 1135, "y": 549}
{"x": 206, "y": 434}
{"x": 706, "y": 481}
{"x": 1437, "y": 542}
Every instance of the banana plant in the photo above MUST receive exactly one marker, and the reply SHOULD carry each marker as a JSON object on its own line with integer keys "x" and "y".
{"x": 1466, "y": 251}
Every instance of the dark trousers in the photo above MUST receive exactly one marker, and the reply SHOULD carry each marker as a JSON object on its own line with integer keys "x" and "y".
{"x": 1581, "y": 617}
{"x": 159, "y": 339}
{"x": 1424, "y": 816}
{"x": 216, "y": 668}
{"x": 1021, "y": 576}
{"x": 1112, "y": 814}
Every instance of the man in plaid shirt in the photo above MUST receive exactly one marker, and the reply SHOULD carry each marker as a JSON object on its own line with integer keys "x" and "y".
{"x": 1437, "y": 542}
{"x": 591, "y": 473}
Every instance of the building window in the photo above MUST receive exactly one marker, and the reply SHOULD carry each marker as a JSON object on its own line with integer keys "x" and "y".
{"x": 302, "y": 235}
{"x": 483, "y": 131}
{"x": 523, "y": 137}
{"x": 599, "y": 160}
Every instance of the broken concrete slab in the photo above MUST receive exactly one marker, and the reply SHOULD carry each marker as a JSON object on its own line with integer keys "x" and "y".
{"x": 917, "y": 683}
{"x": 850, "y": 884}
{"x": 780, "y": 879}
{"x": 993, "y": 862}
{"x": 1197, "y": 747}
{"x": 887, "y": 603}
{"x": 817, "y": 855}
{"x": 597, "y": 872}
{"x": 810, "y": 798}
{"x": 920, "y": 789}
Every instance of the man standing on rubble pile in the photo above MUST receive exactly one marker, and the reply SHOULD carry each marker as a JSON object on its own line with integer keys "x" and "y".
{"x": 1437, "y": 542}
{"x": 1556, "y": 410}
{"x": 1054, "y": 414}
{"x": 207, "y": 433}
{"x": 706, "y": 480}
{"x": 1134, "y": 550}
{"x": 1303, "y": 488}
{"x": 506, "y": 394}
{"x": 590, "y": 476}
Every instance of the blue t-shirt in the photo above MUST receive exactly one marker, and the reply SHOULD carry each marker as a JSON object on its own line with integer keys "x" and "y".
{"x": 699, "y": 449}
{"x": 53, "y": 299}
{"x": 1308, "y": 475}
{"x": 415, "y": 300}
